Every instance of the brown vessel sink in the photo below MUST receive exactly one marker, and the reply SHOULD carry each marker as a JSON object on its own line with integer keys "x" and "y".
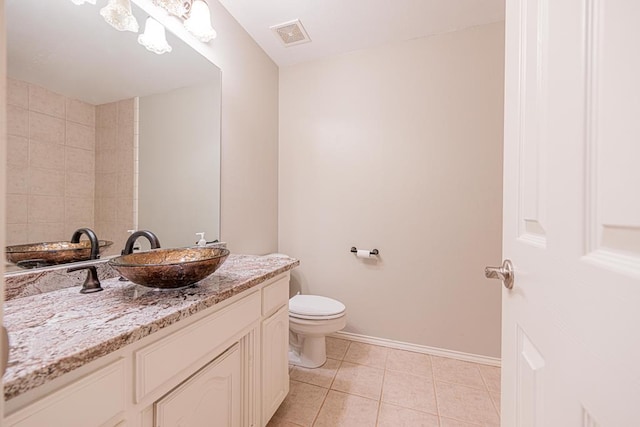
{"x": 170, "y": 268}
{"x": 52, "y": 253}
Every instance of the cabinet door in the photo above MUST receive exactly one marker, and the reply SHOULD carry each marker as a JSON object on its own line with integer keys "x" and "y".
{"x": 210, "y": 398}
{"x": 275, "y": 362}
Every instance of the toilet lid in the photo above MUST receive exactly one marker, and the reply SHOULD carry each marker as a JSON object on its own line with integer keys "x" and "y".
{"x": 315, "y": 305}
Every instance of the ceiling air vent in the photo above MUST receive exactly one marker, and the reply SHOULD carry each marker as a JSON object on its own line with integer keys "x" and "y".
{"x": 291, "y": 33}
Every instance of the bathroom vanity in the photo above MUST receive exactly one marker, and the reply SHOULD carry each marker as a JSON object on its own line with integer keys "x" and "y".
{"x": 211, "y": 354}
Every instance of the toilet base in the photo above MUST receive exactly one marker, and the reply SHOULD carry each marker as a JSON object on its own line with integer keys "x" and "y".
{"x": 307, "y": 351}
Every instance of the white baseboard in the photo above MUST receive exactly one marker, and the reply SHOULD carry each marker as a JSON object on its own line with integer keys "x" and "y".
{"x": 383, "y": 342}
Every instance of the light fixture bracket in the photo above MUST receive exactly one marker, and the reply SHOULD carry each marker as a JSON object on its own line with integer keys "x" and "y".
{"x": 179, "y": 8}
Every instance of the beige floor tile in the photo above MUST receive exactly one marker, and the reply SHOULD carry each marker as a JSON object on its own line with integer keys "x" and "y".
{"x": 395, "y": 416}
{"x": 457, "y": 371}
{"x": 277, "y": 422}
{"x": 410, "y": 362}
{"x": 367, "y": 354}
{"x": 466, "y": 404}
{"x": 322, "y": 376}
{"x": 347, "y": 410}
{"x": 495, "y": 396}
{"x": 491, "y": 375}
{"x": 359, "y": 379}
{"x": 448, "y": 422}
{"x": 301, "y": 404}
{"x": 409, "y": 391}
{"x": 336, "y": 348}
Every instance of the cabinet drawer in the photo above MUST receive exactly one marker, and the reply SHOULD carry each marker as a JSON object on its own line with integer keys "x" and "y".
{"x": 159, "y": 364}
{"x": 91, "y": 401}
{"x": 275, "y": 295}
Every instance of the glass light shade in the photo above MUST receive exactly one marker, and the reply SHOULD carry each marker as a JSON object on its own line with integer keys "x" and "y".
{"x": 118, "y": 14}
{"x": 79, "y": 2}
{"x": 154, "y": 37}
{"x": 199, "y": 22}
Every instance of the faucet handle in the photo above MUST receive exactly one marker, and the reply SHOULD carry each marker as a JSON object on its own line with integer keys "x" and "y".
{"x": 91, "y": 283}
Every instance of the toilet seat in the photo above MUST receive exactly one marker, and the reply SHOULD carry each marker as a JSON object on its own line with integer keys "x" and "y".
{"x": 315, "y": 307}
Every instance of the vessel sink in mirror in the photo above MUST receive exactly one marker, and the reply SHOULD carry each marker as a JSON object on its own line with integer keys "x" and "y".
{"x": 105, "y": 134}
{"x": 170, "y": 268}
{"x": 33, "y": 255}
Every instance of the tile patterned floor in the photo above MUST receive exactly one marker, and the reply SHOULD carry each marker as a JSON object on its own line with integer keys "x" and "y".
{"x": 364, "y": 385}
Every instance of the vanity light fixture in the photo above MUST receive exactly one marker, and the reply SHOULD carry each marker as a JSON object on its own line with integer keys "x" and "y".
{"x": 154, "y": 37}
{"x": 118, "y": 14}
{"x": 195, "y": 15}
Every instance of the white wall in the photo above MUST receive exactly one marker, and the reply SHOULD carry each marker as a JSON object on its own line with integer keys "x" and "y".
{"x": 399, "y": 148}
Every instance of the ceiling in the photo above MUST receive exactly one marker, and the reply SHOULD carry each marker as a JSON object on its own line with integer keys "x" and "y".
{"x": 338, "y": 26}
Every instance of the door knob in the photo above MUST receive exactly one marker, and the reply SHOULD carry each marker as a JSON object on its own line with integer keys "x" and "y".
{"x": 504, "y": 273}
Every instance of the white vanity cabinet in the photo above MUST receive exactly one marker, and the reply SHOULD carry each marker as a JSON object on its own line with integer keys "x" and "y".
{"x": 225, "y": 366}
{"x": 210, "y": 398}
{"x": 275, "y": 346}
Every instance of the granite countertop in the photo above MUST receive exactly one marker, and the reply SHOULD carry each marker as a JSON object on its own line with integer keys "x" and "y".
{"x": 53, "y": 333}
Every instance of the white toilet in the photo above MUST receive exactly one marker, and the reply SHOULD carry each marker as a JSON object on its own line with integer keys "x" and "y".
{"x": 311, "y": 318}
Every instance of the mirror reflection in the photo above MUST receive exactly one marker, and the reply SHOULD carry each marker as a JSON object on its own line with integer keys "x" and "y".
{"x": 104, "y": 134}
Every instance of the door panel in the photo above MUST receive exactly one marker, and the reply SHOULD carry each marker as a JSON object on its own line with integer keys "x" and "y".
{"x": 572, "y": 166}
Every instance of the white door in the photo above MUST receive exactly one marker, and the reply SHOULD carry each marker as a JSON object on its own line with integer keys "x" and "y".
{"x": 571, "y": 323}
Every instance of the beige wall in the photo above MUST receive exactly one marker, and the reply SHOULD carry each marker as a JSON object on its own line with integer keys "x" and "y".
{"x": 50, "y": 164}
{"x": 399, "y": 148}
{"x": 249, "y": 159}
{"x": 116, "y": 136}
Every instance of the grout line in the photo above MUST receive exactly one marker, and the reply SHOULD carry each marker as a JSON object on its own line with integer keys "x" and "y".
{"x": 435, "y": 391}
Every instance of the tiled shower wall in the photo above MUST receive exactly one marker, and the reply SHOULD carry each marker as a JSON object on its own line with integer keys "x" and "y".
{"x": 116, "y": 153}
{"x": 50, "y": 164}
{"x": 69, "y": 165}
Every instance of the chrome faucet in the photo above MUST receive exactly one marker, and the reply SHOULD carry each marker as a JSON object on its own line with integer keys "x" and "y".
{"x": 152, "y": 238}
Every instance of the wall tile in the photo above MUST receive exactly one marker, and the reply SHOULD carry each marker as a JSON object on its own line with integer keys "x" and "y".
{"x": 125, "y": 136}
{"x": 46, "y": 232}
{"x": 106, "y": 210}
{"x": 106, "y": 185}
{"x": 124, "y": 160}
{"x": 17, "y": 179}
{"x": 124, "y": 186}
{"x": 124, "y": 211}
{"x": 80, "y": 185}
{"x": 16, "y": 234}
{"x": 17, "y": 121}
{"x": 106, "y": 138}
{"x": 16, "y": 208}
{"x": 47, "y": 102}
{"x": 17, "y": 150}
{"x": 80, "y": 160}
{"x": 80, "y": 136}
{"x": 46, "y": 209}
{"x": 126, "y": 112}
{"x": 107, "y": 115}
{"x": 45, "y": 128}
{"x": 46, "y": 182}
{"x": 106, "y": 161}
{"x": 78, "y": 210}
{"x": 17, "y": 93}
{"x": 81, "y": 112}
{"x": 46, "y": 156}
